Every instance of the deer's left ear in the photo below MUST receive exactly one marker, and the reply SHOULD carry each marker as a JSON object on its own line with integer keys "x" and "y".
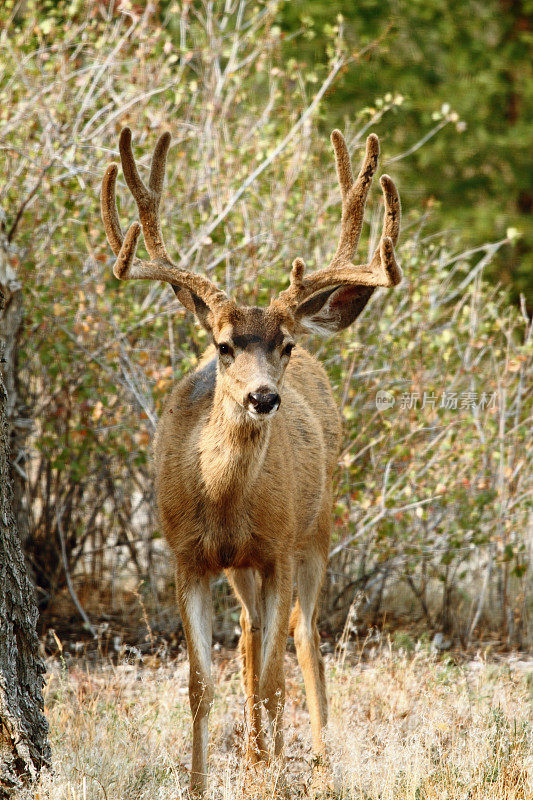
{"x": 333, "y": 309}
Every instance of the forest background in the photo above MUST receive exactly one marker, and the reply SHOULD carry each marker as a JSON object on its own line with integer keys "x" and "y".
{"x": 433, "y": 521}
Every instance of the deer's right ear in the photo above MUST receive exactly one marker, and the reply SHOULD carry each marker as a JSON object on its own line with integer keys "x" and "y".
{"x": 194, "y": 303}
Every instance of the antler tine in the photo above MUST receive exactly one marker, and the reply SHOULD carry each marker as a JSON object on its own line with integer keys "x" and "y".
{"x": 126, "y": 255}
{"x": 159, "y": 164}
{"x": 148, "y": 198}
{"x": 108, "y": 207}
{"x": 393, "y": 209}
{"x": 129, "y": 166}
{"x": 353, "y": 195}
{"x": 384, "y": 258}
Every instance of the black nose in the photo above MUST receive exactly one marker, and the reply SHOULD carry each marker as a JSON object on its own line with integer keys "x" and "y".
{"x": 264, "y": 402}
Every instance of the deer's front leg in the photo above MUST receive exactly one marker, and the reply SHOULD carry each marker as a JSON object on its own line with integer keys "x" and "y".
{"x": 194, "y": 600}
{"x": 276, "y": 596}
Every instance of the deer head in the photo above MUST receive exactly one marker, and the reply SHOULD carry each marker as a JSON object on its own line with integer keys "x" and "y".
{"x": 254, "y": 344}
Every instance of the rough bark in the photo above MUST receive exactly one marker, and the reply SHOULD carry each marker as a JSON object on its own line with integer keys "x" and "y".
{"x": 24, "y": 747}
{"x": 11, "y": 312}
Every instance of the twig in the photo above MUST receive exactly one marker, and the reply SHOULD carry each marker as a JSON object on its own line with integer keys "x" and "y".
{"x": 421, "y": 142}
{"x": 482, "y": 595}
{"x": 70, "y": 585}
{"x": 25, "y": 202}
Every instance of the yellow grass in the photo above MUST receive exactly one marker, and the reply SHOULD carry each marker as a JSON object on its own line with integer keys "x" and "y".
{"x": 401, "y": 727}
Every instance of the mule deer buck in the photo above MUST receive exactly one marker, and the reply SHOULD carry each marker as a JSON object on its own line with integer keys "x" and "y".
{"x": 247, "y": 444}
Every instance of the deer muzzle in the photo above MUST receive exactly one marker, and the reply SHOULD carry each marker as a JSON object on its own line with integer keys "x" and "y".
{"x": 263, "y": 401}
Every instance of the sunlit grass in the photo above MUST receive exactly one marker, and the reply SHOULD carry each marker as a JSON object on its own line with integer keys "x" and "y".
{"x": 401, "y": 727}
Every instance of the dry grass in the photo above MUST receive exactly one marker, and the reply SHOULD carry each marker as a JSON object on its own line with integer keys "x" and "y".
{"x": 401, "y": 726}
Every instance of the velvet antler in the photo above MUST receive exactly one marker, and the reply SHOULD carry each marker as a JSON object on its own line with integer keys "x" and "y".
{"x": 383, "y": 269}
{"x": 191, "y": 289}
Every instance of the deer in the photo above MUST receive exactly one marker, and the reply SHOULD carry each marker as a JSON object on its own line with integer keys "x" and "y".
{"x": 247, "y": 444}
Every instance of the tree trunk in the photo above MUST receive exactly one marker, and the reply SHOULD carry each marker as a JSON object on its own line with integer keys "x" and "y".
{"x": 19, "y": 425}
{"x": 24, "y": 747}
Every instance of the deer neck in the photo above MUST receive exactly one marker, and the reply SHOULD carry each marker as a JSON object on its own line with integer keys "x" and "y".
{"x": 232, "y": 451}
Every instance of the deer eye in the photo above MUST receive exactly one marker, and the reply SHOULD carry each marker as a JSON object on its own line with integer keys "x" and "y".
{"x": 287, "y": 350}
{"x": 225, "y": 349}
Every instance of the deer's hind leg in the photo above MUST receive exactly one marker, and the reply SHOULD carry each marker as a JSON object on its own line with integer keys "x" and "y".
{"x": 245, "y": 585}
{"x": 309, "y": 577}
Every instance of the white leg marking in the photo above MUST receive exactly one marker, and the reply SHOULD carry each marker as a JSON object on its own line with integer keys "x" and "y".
{"x": 198, "y": 602}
